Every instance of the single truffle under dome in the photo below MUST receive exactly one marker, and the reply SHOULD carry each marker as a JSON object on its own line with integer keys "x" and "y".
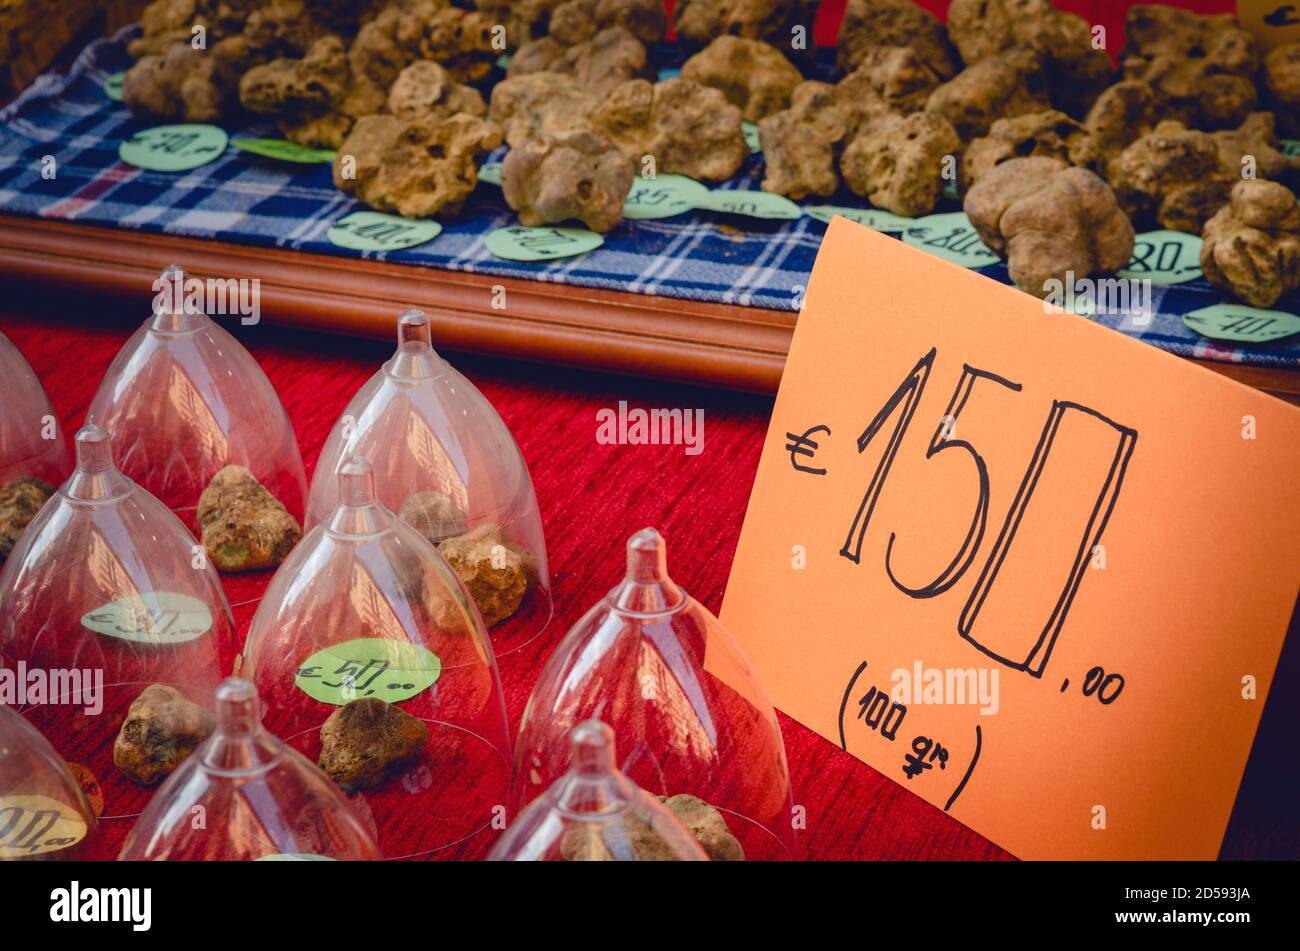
{"x": 689, "y": 713}
{"x": 446, "y": 463}
{"x": 371, "y": 659}
{"x": 593, "y": 813}
{"x": 183, "y": 399}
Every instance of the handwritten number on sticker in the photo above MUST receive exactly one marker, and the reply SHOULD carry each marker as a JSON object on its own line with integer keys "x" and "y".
{"x": 377, "y": 231}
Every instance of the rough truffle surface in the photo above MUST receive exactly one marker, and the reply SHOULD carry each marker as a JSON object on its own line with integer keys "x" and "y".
{"x": 1252, "y": 244}
{"x": 1049, "y": 133}
{"x": 699, "y": 22}
{"x": 707, "y": 825}
{"x": 364, "y": 741}
{"x": 1202, "y": 67}
{"x": 161, "y": 729}
{"x": 1174, "y": 176}
{"x": 899, "y": 164}
{"x": 687, "y": 129}
{"x": 529, "y": 105}
{"x": 244, "y": 526}
{"x": 1076, "y": 70}
{"x": 1281, "y": 79}
{"x": 426, "y": 89}
{"x": 573, "y": 175}
{"x": 20, "y": 500}
{"x": 801, "y": 144}
{"x": 494, "y": 570}
{"x": 1122, "y": 114}
{"x": 416, "y": 167}
{"x": 870, "y": 24}
{"x": 1051, "y": 221}
{"x": 434, "y": 515}
{"x": 1009, "y": 84}
{"x": 753, "y": 75}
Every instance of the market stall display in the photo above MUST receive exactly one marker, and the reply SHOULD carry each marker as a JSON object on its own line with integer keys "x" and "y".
{"x": 561, "y": 143}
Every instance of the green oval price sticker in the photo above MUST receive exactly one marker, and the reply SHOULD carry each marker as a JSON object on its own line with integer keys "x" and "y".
{"x": 379, "y": 667}
{"x": 871, "y": 217}
{"x": 376, "y": 231}
{"x": 662, "y": 196}
{"x": 490, "y": 172}
{"x": 750, "y": 203}
{"x": 113, "y": 86}
{"x": 174, "y": 148}
{"x": 159, "y": 617}
{"x": 952, "y": 237}
{"x": 33, "y": 824}
{"x": 1242, "y": 324}
{"x": 541, "y": 244}
{"x": 284, "y": 151}
{"x": 1164, "y": 257}
{"x": 750, "y": 131}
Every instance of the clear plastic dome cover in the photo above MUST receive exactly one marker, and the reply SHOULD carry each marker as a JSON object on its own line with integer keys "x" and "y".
{"x": 371, "y": 658}
{"x": 31, "y": 440}
{"x": 183, "y": 399}
{"x": 105, "y": 595}
{"x": 593, "y": 813}
{"x": 689, "y": 714}
{"x": 245, "y": 796}
{"x": 44, "y": 814}
{"x": 447, "y": 464}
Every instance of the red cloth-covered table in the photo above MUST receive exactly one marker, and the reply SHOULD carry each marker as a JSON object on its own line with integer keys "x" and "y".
{"x": 592, "y": 498}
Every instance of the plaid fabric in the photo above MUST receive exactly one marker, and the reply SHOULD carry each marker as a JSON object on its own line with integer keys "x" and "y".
{"x": 238, "y": 198}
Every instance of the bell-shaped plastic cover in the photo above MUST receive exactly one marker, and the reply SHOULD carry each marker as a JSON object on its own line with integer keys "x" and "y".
{"x": 44, "y": 814}
{"x": 445, "y": 462}
{"x": 593, "y": 813}
{"x": 31, "y": 439}
{"x": 258, "y": 799}
{"x": 366, "y": 612}
{"x": 104, "y": 594}
{"x": 688, "y": 711}
{"x": 183, "y": 399}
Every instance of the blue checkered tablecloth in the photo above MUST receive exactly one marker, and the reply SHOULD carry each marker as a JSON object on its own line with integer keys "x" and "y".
{"x": 239, "y": 198}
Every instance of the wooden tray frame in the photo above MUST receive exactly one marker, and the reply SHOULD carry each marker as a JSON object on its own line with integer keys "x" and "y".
{"x": 728, "y": 346}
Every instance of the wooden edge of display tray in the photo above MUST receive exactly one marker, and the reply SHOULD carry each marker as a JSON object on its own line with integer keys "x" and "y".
{"x": 721, "y": 345}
